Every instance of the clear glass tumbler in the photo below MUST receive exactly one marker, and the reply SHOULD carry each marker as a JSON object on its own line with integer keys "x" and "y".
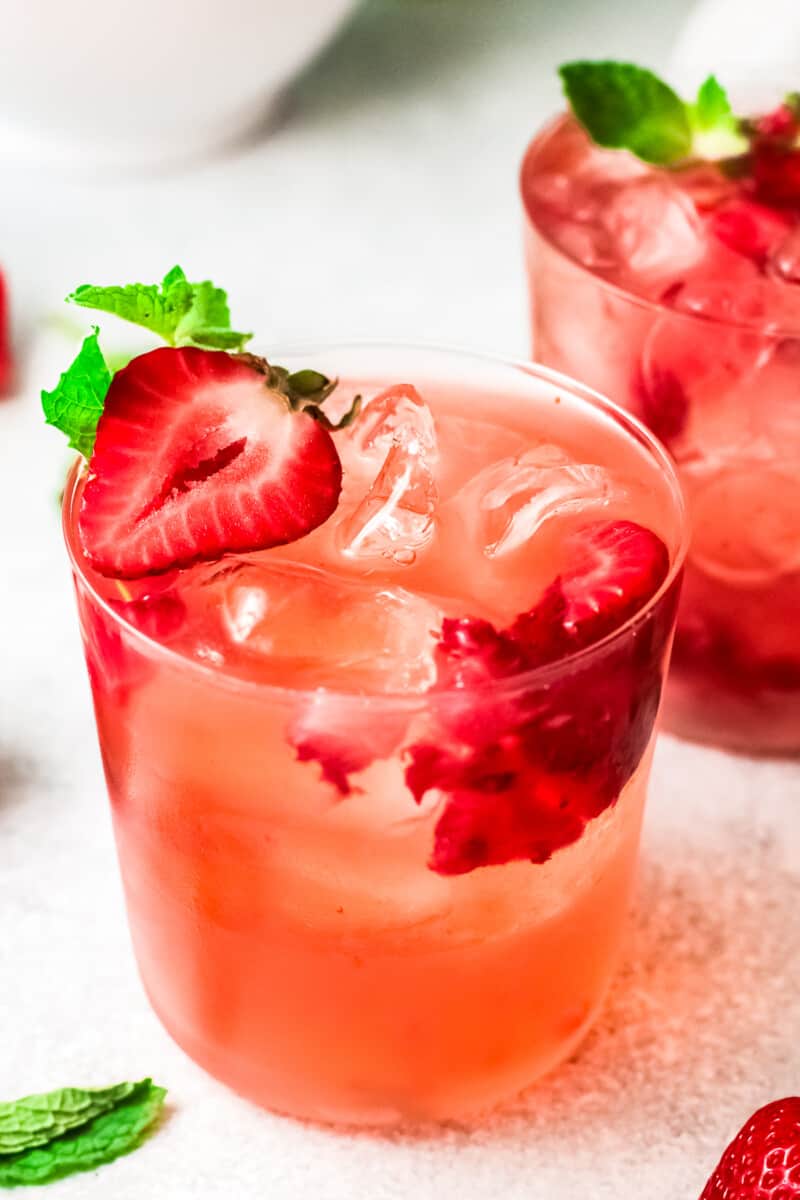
{"x": 307, "y": 936}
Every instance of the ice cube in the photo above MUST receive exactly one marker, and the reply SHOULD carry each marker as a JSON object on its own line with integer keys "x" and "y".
{"x": 784, "y": 261}
{"x": 654, "y": 228}
{"x": 301, "y": 626}
{"x": 515, "y": 497}
{"x": 400, "y": 410}
{"x": 395, "y": 519}
{"x": 744, "y": 520}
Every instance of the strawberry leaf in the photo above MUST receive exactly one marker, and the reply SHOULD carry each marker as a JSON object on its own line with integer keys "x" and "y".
{"x": 623, "y": 106}
{"x": 104, "y": 1138}
{"x": 180, "y": 312}
{"x": 76, "y": 402}
{"x": 35, "y": 1120}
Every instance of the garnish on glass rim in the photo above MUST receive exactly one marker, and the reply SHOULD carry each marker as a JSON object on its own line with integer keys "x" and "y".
{"x": 47, "y": 1136}
{"x": 626, "y": 107}
{"x": 198, "y": 448}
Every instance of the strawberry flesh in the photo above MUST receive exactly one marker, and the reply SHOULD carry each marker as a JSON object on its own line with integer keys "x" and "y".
{"x": 763, "y": 1160}
{"x": 524, "y": 769}
{"x": 114, "y": 663}
{"x": 661, "y": 401}
{"x": 196, "y": 457}
{"x": 748, "y": 228}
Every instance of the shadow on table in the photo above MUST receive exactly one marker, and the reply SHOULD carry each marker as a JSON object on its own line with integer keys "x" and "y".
{"x": 16, "y": 771}
{"x": 392, "y": 47}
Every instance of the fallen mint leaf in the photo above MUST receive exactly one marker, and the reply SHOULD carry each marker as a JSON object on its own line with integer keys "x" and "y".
{"x": 37, "y": 1119}
{"x": 105, "y": 1137}
{"x": 626, "y": 107}
{"x": 76, "y": 402}
{"x": 180, "y": 312}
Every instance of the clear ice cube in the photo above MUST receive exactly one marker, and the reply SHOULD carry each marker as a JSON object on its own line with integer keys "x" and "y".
{"x": 302, "y": 626}
{"x": 762, "y": 544}
{"x": 398, "y": 411}
{"x": 784, "y": 261}
{"x": 654, "y": 228}
{"x": 513, "y": 498}
{"x": 396, "y": 517}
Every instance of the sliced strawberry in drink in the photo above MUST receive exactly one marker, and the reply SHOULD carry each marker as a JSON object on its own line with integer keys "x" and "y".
{"x": 661, "y": 401}
{"x": 196, "y": 456}
{"x": 525, "y": 767}
{"x": 612, "y": 569}
{"x": 776, "y": 172}
{"x": 749, "y": 228}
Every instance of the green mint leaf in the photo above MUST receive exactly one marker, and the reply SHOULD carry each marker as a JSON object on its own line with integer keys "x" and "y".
{"x": 712, "y": 107}
{"x": 76, "y": 402}
{"x": 628, "y": 108}
{"x": 716, "y": 131}
{"x": 35, "y": 1120}
{"x": 104, "y": 1138}
{"x": 180, "y": 312}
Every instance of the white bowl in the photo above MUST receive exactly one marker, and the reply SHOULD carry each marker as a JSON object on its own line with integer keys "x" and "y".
{"x": 141, "y": 80}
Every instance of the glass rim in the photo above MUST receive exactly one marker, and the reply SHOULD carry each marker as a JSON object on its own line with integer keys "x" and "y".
{"x": 631, "y": 428}
{"x": 771, "y": 332}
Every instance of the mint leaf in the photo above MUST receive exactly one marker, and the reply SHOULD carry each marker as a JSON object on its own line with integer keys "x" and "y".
{"x": 712, "y": 107}
{"x": 628, "y": 108}
{"x": 180, "y": 312}
{"x": 101, "y": 1140}
{"x": 716, "y": 130}
{"x": 37, "y": 1119}
{"x": 76, "y": 402}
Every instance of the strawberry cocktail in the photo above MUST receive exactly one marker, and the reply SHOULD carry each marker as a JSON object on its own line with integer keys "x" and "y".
{"x": 376, "y": 641}
{"x": 673, "y": 286}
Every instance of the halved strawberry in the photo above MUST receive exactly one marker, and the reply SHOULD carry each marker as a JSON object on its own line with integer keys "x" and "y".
{"x": 197, "y": 455}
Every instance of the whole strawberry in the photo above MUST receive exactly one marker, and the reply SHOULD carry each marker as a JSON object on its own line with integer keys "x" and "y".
{"x": 763, "y": 1160}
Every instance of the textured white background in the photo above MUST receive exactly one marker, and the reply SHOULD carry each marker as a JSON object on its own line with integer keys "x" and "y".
{"x": 383, "y": 204}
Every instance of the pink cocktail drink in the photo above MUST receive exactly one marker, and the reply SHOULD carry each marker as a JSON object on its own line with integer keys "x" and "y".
{"x": 377, "y": 793}
{"x": 677, "y": 293}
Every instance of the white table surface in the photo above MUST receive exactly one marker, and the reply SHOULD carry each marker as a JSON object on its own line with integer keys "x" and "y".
{"x": 383, "y": 205}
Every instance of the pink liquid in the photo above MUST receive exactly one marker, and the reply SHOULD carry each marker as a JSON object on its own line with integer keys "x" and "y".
{"x": 290, "y": 932}
{"x": 677, "y": 295}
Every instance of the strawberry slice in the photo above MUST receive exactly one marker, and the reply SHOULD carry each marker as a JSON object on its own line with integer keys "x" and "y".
{"x": 524, "y": 769}
{"x": 613, "y": 568}
{"x": 197, "y": 455}
{"x": 749, "y": 228}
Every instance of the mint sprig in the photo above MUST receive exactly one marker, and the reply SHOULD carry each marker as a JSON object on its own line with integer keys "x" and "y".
{"x": 102, "y": 1134}
{"x": 183, "y": 314}
{"x": 76, "y": 402}
{"x": 180, "y": 312}
{"x": 626, "y": 107}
